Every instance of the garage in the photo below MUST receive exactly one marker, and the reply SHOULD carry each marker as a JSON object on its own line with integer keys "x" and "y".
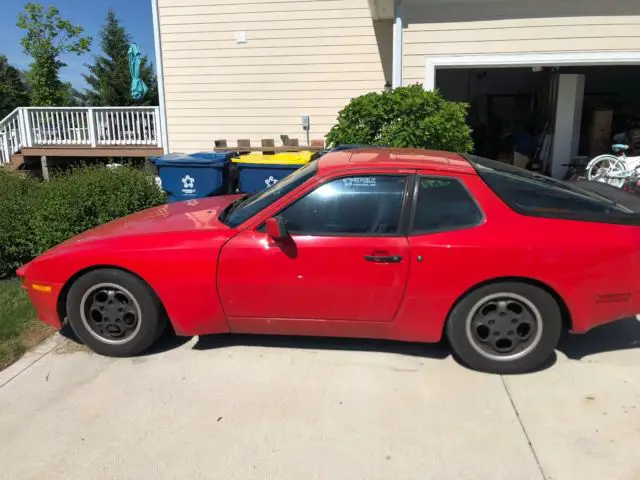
{"x": 545, "y": 116}
{"x": 557, "y": 78}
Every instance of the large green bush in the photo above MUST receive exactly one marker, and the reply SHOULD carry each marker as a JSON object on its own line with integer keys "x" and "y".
{"x": 404, "y": 117}
{"x": 17, "y": 203}
{"x": 35, "y": 216}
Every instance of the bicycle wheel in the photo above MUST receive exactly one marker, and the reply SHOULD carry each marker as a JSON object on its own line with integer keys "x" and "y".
{"x": 606, "y": 169}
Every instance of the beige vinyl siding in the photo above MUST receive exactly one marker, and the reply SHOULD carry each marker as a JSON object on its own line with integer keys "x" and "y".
{"x": 510, "y": 26}
{"x": 302, "y": 57}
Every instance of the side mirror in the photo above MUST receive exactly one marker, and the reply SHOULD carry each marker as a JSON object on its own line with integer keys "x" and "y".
{"x": 275, "y": 228}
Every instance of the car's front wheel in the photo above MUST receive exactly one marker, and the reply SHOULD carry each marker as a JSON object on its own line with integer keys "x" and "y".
{"x": 114, "y": 312}
{"x": 505, "y": 327}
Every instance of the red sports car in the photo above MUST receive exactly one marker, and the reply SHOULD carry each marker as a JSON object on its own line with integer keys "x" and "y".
{"x": 398, "y": 244}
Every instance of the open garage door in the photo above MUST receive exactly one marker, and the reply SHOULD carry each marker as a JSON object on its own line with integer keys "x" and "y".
{"x": 519, "y": 115}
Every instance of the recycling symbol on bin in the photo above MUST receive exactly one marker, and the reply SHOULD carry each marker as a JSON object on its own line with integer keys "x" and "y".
{"x": 188, "y": 181}
{"x": 270, "y": 181}
{"x": 188, "y": 185}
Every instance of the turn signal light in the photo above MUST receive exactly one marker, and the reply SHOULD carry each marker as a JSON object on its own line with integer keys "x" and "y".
{"x": 41, "y": 288}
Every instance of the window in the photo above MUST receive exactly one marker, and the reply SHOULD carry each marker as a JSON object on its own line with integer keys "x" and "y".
{"x": 444, "y": 204}
{"x": 242, "y": 210}
{"x": 367, "y": 205}
{"x": 534, "y": 194}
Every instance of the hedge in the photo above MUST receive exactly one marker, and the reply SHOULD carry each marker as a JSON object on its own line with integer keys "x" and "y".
{"x": 36, "y": 215}
{"x": 404, "y": 117}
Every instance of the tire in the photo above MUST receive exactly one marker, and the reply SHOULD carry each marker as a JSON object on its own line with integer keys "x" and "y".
{"x": 525, "y": 315}
{"x": 115, "y": 313}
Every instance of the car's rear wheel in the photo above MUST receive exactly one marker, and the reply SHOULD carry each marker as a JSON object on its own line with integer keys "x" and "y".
{"x": 506, "y": 327}
{"x": 114, "y": 312}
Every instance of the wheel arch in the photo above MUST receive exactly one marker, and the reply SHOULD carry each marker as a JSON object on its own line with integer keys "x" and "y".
{"x": 61, "y": 304}
{"x": 567, "y": 320}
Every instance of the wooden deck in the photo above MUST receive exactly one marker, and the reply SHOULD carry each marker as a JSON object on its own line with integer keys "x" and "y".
{"x": 79, "y": 132}
{"x": 92, "y": 152}
{"x": 41, "y": 158}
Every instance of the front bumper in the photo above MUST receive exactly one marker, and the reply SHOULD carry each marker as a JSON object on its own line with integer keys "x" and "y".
{"x": 44, "y": 298}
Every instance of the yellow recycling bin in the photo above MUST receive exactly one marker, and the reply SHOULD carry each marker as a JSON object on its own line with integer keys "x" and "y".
{"x": 257, "y": 171}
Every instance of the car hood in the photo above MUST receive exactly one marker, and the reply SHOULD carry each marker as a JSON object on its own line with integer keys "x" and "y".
{"x": 191, "y": 215}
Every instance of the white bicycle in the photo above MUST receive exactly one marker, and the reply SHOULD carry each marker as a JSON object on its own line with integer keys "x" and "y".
{"x": 614, "y": 170}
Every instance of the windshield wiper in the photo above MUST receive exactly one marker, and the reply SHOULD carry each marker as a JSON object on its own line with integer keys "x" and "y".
{"x": 229, "y": 208}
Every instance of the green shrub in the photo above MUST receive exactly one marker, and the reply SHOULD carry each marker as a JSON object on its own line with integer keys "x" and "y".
{"x": 17, "y": 201}
{"x": 404, "y": 117}
{"x": 35, "y": 216}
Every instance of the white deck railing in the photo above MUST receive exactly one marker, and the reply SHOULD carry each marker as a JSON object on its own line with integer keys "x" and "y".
{"x": 78, "y": 126}
{"x": 11, "y": 138}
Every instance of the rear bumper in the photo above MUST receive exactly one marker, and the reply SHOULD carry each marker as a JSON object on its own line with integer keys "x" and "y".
{"x": 604, "y": 310}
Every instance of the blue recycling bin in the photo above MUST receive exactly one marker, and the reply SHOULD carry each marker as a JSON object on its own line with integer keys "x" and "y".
{"x": 197, "y": 175}
{"x": 259, "y": 171}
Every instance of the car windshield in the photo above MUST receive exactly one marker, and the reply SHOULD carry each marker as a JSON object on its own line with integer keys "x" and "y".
{"x": 240, "y": 211}
{"x": 532, "y": 193}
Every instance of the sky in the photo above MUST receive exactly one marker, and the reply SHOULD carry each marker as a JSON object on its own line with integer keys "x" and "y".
{"x": 134, "y": 15}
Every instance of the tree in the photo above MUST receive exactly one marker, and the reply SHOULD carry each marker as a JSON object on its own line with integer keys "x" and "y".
{"x": 13, "y": 90}
{"x": 70, "y": 97}
{"x": 109, "y": 79}
{"x": 404, "y": 117}
{"x": 49, "y": 36}
{"x": 148, "y": 75}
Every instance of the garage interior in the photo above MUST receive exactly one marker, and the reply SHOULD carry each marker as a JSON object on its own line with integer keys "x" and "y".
{"x": 543, "y": 118}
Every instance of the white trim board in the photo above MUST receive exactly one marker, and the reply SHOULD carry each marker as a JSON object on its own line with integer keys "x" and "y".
{"x": 506, "y": 60}
{"x": 157, "y": 42}
{"x": 398, "y": 45}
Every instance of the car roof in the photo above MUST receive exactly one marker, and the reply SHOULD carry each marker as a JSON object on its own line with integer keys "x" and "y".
{"x": 395, "y": 158}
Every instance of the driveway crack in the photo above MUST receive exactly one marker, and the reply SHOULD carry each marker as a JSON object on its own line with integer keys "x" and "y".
{"x": 524, "y": 430}
{"x": 28, "y": 366}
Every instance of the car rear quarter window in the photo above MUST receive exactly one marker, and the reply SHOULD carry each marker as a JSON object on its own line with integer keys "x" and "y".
{"x": 354, "y": 205}
{"x": 444, "y": 204}
{"x": 534, "y": 194}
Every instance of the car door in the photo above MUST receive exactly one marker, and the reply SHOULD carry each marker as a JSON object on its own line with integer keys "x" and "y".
{"x": 448, "y": 239}
{"x": 346, "y": 256}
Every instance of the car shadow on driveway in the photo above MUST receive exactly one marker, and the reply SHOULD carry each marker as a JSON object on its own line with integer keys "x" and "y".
{"x": 436, "y": 351}
{"x": 621, "y": 335}
{"x": 167, "y": 341}
{"x": 433, "y": 350}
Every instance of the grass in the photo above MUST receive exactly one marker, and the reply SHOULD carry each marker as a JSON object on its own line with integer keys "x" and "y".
{"x": 20, "y": 328}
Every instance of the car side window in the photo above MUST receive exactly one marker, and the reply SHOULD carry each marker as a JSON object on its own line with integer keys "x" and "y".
{"x": 444, "y": 204}
{"x": 357, "y": 205}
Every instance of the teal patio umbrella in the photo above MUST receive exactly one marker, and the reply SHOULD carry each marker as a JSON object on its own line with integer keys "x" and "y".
{"x": 138, "y": 88}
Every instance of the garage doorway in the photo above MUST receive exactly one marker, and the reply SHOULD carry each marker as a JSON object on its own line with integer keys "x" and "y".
{"x": 505, "y": 103}
{"x": 514, "y": 108}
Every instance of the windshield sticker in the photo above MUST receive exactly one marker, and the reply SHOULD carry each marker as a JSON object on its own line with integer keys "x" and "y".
{"x": 359, "y": 182}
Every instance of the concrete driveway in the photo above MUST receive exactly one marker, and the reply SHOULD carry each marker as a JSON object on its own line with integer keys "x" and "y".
{"x": 246, "y": 407}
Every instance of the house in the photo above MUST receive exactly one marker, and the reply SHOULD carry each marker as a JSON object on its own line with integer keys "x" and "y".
{"x": 252, "y": 69}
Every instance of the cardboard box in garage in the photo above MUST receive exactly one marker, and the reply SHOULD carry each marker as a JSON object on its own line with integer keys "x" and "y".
{"x": 600, "y": 132}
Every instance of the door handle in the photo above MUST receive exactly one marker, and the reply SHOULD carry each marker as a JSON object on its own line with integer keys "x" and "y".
{"x": 383, "y": 258}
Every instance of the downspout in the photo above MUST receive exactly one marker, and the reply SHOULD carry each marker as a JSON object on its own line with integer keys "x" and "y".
{"x": 398, "y": 41}
{"x": 160, "y": 75}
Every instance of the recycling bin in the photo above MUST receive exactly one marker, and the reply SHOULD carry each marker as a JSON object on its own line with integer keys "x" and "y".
{"x": 197, "y": 175}
{"x": 259, "y": 171}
